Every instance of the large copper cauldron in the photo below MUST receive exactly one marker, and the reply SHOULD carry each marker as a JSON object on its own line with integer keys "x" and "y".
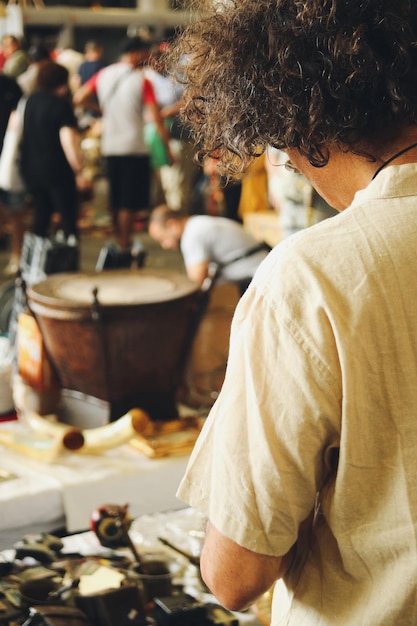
{"x": 122, "y": 336}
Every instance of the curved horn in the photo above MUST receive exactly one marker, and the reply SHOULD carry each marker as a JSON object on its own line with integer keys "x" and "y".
{"x": 116, "y": 433}
{"x": 71, "y": 437}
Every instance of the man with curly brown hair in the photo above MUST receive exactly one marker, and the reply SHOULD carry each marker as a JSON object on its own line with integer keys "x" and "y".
{"x": 306, "y": 466}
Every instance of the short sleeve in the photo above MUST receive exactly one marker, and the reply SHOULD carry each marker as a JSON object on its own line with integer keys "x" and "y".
{"x": 92, "y": 82}
{"x": 258, "y": 464}
{"x": 148, "y": 92}
{"x": 67, "y": 115}
{"x": 196, "y": 242}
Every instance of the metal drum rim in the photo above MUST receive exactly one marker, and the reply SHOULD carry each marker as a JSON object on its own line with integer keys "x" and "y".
{"x": 36, "y": 294}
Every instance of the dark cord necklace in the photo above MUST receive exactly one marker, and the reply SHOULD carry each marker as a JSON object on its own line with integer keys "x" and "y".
{"x": 395, "y": 156}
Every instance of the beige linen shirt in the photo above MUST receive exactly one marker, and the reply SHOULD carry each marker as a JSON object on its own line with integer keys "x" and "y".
{"x": 323, "y": 355}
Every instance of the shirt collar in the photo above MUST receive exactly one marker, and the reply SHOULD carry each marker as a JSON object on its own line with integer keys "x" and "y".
{"x": 393, "y": 182}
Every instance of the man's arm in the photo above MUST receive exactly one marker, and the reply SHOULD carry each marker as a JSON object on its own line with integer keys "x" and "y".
{"x": 235, "y": 575}
{"x": 84, "y": 95}
{"x": 198, "y": 272}
{"x": 70, "y": 142}
{"x": 153, "y": 107}
{"x": 172, "y": 109}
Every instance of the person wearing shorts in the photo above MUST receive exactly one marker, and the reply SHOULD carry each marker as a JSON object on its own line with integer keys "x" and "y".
{"x": 129, "y": 187}
{"x": 124, "y": 93}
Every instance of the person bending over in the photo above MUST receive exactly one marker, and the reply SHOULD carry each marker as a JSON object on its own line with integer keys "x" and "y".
{"x": 213, "y": 248}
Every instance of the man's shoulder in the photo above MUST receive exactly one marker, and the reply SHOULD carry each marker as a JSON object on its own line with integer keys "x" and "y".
{"x": 118, "y": 68}
{"x": 113, "y": 68}
{"x": 196, "y": 228}
{"x": 38, "y": 99}
{"x": 48, "y": 103}
{"x": 119, "y": 73}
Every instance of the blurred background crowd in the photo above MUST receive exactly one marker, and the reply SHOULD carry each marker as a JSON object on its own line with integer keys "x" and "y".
{"x": 102, "y": 144}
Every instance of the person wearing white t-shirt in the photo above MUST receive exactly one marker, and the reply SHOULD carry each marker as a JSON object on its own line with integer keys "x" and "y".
{"x": 212, "y": 247}
{"x": 123, "y": 92}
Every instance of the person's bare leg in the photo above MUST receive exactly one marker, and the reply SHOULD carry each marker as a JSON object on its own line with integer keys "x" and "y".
{"x": 124, "y": 229}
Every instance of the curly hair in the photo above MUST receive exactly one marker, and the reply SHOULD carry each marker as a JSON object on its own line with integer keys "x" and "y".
{"x": 297, "y": 74}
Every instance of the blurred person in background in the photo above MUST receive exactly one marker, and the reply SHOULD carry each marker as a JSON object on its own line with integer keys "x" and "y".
{"x": 36, "y": 54}
{"x": 180, "y": 179}
{"x": 16, "y": 58}
{"x": 213, "y": 248}
{"x": 124, "y": 92}
{"x": 166, "y": 93}
{"x": 71, "y": 59}
{"x": 293, "y": 197}
{"x": 93, "y": 62}
{"x": 51, "y": 158}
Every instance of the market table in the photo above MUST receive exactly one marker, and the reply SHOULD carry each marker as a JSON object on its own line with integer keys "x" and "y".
{"x": 37, "y": 496}
{"x": 181, "y": 528}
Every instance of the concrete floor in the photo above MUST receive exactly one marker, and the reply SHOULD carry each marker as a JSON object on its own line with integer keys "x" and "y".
{"x": 209, "y": 354}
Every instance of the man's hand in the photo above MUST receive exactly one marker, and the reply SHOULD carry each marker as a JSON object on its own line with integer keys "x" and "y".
{"x": 198, "y": 272}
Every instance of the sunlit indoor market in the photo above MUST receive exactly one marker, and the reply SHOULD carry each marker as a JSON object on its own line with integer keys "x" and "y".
{"x": 208, "y": 339}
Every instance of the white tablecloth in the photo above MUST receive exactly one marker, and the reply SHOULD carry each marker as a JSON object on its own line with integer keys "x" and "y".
{"x": 65, "y": 492}
{"x": 44, "y": 496}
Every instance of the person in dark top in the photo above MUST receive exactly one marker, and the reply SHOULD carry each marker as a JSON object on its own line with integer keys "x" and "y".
{"x": 93, "y": 54}
{"x": 93, "y": 62}
{"x": 51, "y": 159}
